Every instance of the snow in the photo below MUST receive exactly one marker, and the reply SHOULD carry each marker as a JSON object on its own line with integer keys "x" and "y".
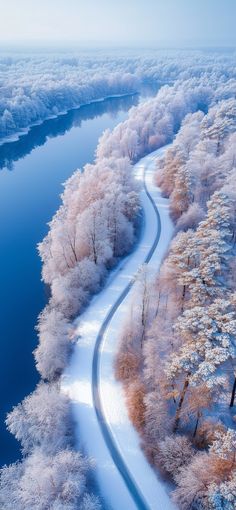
{"x": 24, "y": 131}
{"x": 77, "y": 379}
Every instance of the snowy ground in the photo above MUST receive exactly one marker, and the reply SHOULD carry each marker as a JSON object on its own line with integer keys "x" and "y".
{"x": 79, "y": 376}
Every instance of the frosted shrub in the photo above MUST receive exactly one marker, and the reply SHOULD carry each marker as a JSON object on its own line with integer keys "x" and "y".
{"x": 90, "y": 502}
{"x": 193, "y": 481}
{"x": 126, "y": 366}
{"x": 190, "y": 218}
{"x": 135, "y": 403}
{"x": 174, "y": 452}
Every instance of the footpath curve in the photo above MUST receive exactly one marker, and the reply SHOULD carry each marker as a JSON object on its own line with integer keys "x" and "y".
{"x": 97, "y": 400}
{"x": 103, "y": 428}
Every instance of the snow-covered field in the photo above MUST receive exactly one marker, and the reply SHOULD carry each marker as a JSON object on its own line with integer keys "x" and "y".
{"x": 78, "y": 377}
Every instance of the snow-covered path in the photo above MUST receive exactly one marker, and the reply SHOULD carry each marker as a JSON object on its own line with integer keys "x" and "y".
{"x": 125, "y": 478}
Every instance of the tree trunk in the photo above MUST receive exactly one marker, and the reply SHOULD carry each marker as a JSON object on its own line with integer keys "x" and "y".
{"x": 94, "y": 254}
{"x": 197, "y": 423}
{"x": 181, "y": 401}
{"x": 173, "y": 388}
{"x": 166, "y": 306}
{"x": 143, "y": 324}
{"x": 183, "y": 298}
{"x": 115, "y": 238}
{"x": 144, "y": 311}
{"x": 233, "y": 393}
{"x": 66, "y": 261}
{"x": 73, "y": 251}
{"x": 142, "y": 340}
{"x": 158, "y": 303}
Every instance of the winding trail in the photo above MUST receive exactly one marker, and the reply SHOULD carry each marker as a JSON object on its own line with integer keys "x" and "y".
{"x": 126, "y": 480}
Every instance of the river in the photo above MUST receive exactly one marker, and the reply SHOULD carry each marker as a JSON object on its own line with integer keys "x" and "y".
{"x": 32, "y": 171}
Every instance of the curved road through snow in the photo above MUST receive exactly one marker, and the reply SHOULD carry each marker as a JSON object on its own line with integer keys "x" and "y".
{"x": 97, "y": 400}
{"x": 103, "y": 428}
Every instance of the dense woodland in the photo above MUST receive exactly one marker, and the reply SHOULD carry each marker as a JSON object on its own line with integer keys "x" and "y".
{"x": 35, "y": 87}
{"x": 98, "y": 223}
{"x": 177, "y": 355}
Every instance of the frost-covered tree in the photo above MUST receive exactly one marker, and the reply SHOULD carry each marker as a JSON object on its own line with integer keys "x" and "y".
{"x": 156, "y": 418}
{"x": 209, "y": 477}
{"x": 181, "y": 260}
{"x": 207, "y": 342}
{"x": 174, "y": 452}
{"x": 42, "y": 419}
{"x": 94, "y": 239}
{"x": 181, "y": 196}
{"x": 223, "y": 496}
{"x": 43, "y": 481}
{"x": 192, "y": 483}
{"x": 224, "y": 445}
{"x": 52, "y": 352}
{"x": 202, "y": 277}
{"x": 199, "y": 401}
{"x": 167, "y": 169}
{"x": 191, "y": 218}
{"x": 142, "y": 301}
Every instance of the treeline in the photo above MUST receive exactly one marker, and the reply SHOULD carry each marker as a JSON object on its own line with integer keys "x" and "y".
{"x": 96, "y": 224}
{"x": 33, "y": 88}
{"x": 177, "y": 354}
{"x": 98, "y": 220}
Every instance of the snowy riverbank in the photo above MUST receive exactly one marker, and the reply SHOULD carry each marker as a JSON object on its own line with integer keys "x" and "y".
{"x": 24, "y": 131}
{"x": 77, "y": 379}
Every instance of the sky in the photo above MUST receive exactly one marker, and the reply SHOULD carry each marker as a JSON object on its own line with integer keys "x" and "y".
{"x": 119, "y": 22}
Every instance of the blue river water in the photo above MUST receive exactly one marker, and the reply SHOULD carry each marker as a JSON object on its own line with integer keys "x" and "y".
{"x": 32, "y": 171}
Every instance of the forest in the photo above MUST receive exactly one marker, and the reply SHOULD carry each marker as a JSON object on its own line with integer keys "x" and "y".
{"x": 38, "y": 86}
{"x": 177, "y": 350}
{"x": 176, "y": 357}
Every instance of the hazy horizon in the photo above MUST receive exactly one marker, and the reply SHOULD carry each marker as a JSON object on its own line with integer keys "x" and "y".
{"x": 134, "y": 23}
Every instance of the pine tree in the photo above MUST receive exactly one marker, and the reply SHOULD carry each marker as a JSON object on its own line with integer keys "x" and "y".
{"x": 207, "y": 336}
